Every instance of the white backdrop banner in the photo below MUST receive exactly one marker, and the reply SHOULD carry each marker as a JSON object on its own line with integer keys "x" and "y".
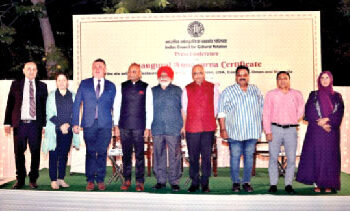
{"x": 266, "y": 42}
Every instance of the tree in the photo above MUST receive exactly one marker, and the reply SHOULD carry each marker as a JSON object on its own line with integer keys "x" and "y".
{"x": 13, "y": 12}
{"x": 134, "y": 6}
{"x": 54, "y": 60}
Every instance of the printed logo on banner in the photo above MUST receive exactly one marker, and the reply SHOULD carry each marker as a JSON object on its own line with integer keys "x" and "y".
{"x": 195, "y": 29}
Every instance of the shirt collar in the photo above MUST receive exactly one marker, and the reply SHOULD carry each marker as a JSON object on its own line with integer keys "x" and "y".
{"x": 134, "y": 83}
{"x": 96, "y": 80}
{"x": 28, "y": 80}
{"x": 58, "y": 92}
{"x": 239, "y": 87}
{"x": 170, "y": 85}
{"x": 280, "y": 90}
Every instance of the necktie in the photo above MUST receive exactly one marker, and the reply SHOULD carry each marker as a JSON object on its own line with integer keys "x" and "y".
{"x": 32, "y": 106}
{"x": 98, "y": 87}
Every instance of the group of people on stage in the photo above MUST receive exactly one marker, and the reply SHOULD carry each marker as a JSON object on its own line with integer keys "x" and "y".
{"x": 165, "y": 112}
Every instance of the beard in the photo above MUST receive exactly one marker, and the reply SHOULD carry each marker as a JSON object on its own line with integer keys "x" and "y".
{"x": 164, "y": 83}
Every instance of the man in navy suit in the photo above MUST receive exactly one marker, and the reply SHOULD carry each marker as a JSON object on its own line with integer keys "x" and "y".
{"x": 26, "y": 112}
{"x": 97, "y": 96}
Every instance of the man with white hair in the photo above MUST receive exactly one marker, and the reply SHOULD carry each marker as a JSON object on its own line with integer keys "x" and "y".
{"x": 199, "y": 106}
{"x": 166, "y": 129}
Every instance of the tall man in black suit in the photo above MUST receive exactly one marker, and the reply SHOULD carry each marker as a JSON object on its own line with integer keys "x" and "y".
{"x": 26, "y": 112}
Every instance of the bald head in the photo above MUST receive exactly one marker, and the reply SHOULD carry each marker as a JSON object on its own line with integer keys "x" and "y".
{"x": 198, "y": 74}
{"x": 134, "y": 72}
{"x": 30, "y": 70}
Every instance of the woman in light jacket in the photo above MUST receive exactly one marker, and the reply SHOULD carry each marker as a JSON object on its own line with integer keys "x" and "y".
{"x": 58, "y": 133}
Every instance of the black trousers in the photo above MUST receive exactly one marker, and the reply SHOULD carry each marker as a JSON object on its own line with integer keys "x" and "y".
{"x": 133, "y": 139}
{"x": 27, "y": 133}
{"x": 58, "y": 158}
{"x": 199, "y": 147}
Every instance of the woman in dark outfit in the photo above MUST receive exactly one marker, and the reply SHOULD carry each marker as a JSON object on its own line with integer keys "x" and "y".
{"x": 320, "y": 157}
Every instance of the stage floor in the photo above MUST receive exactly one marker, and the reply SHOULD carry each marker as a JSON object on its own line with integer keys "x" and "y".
{"x": 21, "y": 200}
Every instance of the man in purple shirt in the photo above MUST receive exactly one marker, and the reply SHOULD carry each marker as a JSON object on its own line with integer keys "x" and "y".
{"x": 283, "y": 109}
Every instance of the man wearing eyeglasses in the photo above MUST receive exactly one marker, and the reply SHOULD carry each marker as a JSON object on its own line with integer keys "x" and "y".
{"x": 240, "y": 115}
{"x": 283, "y": 109}
{"x": 199, "y": 106}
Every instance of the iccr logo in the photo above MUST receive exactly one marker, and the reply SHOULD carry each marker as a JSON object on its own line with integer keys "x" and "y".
{"x": 195, "y": 29}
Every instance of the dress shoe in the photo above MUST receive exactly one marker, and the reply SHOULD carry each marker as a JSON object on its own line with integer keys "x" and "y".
{"x": 175, "y": 188}
{"x": 272, "y": 189}
{"x": 236, "y": 187}
{"x": 205, "y": 188}
{"x": 193, "y": 188}
{"x": 18, "y": 185}
{"x": 289, "y": 189}
{"x": 101, "y": 186}
{"x": 61, "y": 183}
{"x": 139, "y": 186}
{"x": 125, "y": 185}
{"x": 54, "y": 185}
{"x": 33, "y": 185}
{"x": 247, "y": 187}
{"x": 159, "y": 186}
{"x": 90, "y": 186}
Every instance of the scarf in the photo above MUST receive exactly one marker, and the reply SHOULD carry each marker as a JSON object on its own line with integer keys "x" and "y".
{"x": 325, "y": 94}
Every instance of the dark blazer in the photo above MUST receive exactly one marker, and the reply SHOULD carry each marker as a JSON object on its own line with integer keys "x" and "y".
{"x": 14, "y": 103}
{"x": 86, "y": 95}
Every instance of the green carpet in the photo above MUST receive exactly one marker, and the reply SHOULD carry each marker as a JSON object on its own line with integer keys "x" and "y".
{"x": 218, "y": 185}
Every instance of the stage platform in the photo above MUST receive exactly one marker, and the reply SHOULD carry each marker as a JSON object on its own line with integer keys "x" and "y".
{"x": 22, "y": 200}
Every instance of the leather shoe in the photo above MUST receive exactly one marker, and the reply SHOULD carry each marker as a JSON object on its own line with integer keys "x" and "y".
{"x": 272, "y": 189}
{"x": 101, "y": 186}
{"x": 175, "y": 188}
{"x": 90, "y": 186}
{"x": 159, "y": 186}
{"x": 33, "y": 185}
{"x": 205, "y": 188}
{"x": 289, "y": 189}
{"x": 247, "y": 188}
{"x": 139, "y": 186}
{"x": 125, "y": 185}
{"x": 236, "y": 187}
{"x": 193, "y": 188}
{"x": 18, "y": 185}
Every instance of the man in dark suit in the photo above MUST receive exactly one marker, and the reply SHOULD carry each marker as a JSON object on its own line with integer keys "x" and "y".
{"x": 97, "y": 96}
{"x": 26, "y": 112}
